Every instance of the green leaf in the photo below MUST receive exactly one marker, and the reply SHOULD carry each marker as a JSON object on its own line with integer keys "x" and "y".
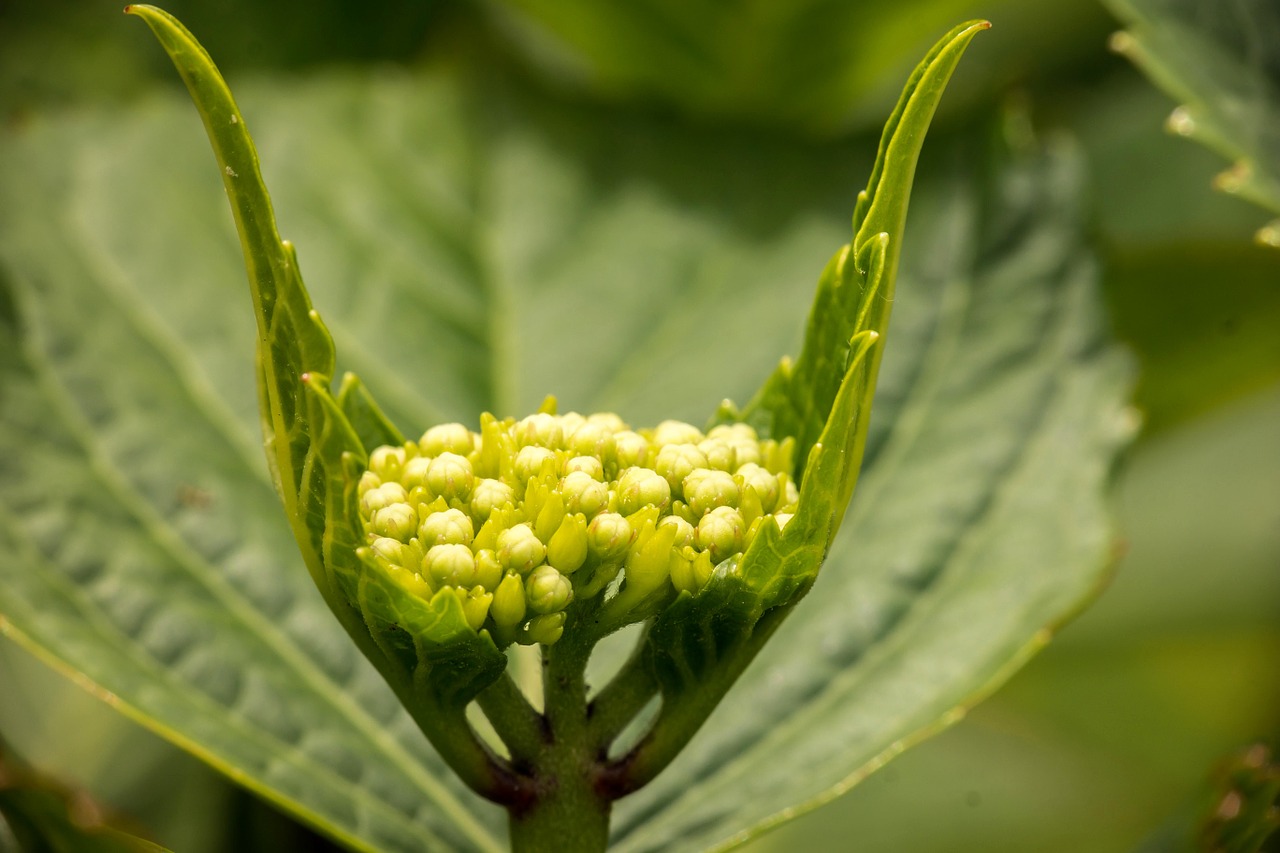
{"x": 1222, "y": 63}
{"x": 476, "y": 246}
{"x": 817, "y": 65}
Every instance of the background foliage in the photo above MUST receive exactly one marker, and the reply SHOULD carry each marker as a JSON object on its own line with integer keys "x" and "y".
{"x": 1113, "y": 730}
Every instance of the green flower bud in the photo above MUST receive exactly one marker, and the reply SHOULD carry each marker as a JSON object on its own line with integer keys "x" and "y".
{"x": 684, "y": 530}
{"x": 386, "y": 462}
{"x": 721, "y": 532}
{"x": 488, "y": 495}
{"x": 648, "y": 563}
{"x": 450, "y": 565}
{"x": 763, "y": 483}
{"x": 547, "y": 590}
{"x": 608, "y": 536}
{"x": 532, "y": 460}
{"x": 588, "y": 465}
{"x": 396, "y": 521}
{"x": 592, "y": 439}
{"x": 476, "y": 607}
{"x": 545, "y": 629}
{"x": 542, "y": 430}
{"x": 706, "y": 489}
{"x": 640, "y": 487}
{"x": 368, "y": 481}
{"x": 584, "y": 494}
{"x": 681, "y": 570}
{"x": 742, "y": 438}
{"x": 383, "y": 496}
{"x": 447, "y": 438}
{"x": 607, "y": 420}
{"x": 676, "y": 461}
{"x": 549, "y": 517}
{"x": 449, "y": 476}
{"x": 508, "y": 606}
{"x": 414, "y": 473}
{"x": 676, "y": 432}
{"x": 387, "y": 552}
{"x": 702, "y": 569}
{"x": 519, "y": 549}
{"x": 720, "y": 454}
{"x": 488, "y": 569}
{"x": 567, "y": 550}
{"x": 630, "y": 449}
{"x": 450, "y": 527}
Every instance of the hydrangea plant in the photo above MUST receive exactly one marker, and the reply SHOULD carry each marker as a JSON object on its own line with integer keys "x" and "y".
{"x": 440, "y": 551}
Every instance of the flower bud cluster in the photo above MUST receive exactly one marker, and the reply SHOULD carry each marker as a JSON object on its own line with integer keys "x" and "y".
{"x": 524, "y": 517}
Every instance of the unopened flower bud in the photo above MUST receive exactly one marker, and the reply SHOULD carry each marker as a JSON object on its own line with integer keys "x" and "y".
{"x": 476, "y": 607}
{"x": 519, "y": 549}
{"x": 368, "y": 480}
{"x": 584, "y": 494}
{"x": 387, "y": 552}
{"x": 592, "y": 439}
{"x": 721, "y": 532}
{"x": 546, "y": 629}
{"x": 447, "y": 438}
{"x": 742, "y": 438}
{"x": 508, "y": 606}
{"x": 386, "y": 462}
{"x": 567, "y": 550}
{"x": 396, "y": 521}
{"x": 629, "y": 449}
{"x": 762, "y": 482}
{"x": 676, "y": 461}
{"x": 488, "y": 495}
{"x": 588, "y": 465}
{"x": 383, "y": 496}
{"x": 531, "y": 460}
{"x": 676, "y": 432}
{"x": 450, "y": 527}
{"x": 640, "y": 487}
{"x": 414, "y": 473}
{"x": 702, "y": 569}
{"x": 720, "y": 454}
{"x": 608, "y": 536}
{"x": 449, "y": 476}
{"x": 684, "y": 530}
{"x": 681, "y": 570}
{"x": 488, "y": 569}
{"x": 542, "y": 430}
{"x": 649, "y": 562}
{"x": 705, "y": 489}
{"x": 450, "y": 565}
{"x": 608, "y": 420}
{"x": 547, "y": 590}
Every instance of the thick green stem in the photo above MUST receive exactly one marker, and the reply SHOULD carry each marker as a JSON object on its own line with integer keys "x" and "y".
{"x": 520, "y": 727}
{"x": 569, "y": 812}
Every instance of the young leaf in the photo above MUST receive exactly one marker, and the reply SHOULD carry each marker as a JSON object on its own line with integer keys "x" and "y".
{"x": 1222, "y": 63}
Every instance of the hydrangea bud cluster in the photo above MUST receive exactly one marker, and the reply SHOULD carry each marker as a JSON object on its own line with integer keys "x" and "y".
{"x": 524, "y": 517}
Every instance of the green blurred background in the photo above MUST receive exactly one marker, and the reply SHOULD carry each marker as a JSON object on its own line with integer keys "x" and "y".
{"x": 1111, "y": 733}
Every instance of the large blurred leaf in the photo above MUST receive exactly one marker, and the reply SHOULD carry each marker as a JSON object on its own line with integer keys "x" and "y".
{"x": 821, "y": 65}
{"x": 1222, "y": 62}
{"x": 474, "y": 247}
